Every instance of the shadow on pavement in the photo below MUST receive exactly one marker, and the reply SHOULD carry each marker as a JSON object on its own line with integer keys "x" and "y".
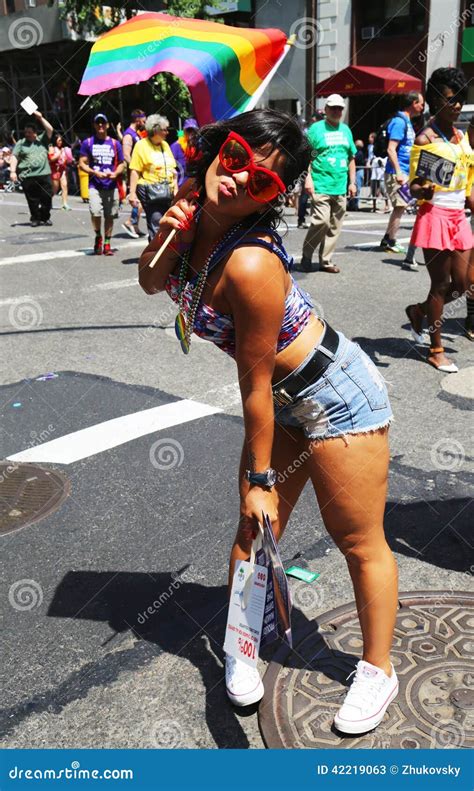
{"x": 398, "y": 348}
{"x": 187, "y": 619}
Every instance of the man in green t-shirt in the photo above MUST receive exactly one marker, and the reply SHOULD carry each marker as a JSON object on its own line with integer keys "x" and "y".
{"x": 30, "y": 164}
{"x": 333, "y": 162}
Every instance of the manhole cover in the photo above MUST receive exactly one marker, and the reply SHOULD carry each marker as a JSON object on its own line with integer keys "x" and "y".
{"x": 28, "y": 493}
{"x": 433, "y": 656}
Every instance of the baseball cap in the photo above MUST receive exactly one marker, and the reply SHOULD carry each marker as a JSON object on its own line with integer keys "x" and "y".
{"x": 101, "y": 117}
{"x": 190, "y": 123}
{"x": 335, "y": 100}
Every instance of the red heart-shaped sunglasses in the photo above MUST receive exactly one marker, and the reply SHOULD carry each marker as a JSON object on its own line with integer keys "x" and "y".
{"x": 235, "y": 155}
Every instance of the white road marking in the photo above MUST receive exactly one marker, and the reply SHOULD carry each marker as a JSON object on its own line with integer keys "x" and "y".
{"x": 24, "y": 298}
{"x": 369, "y": 221}
{"x": 379, "y": 221}
{"x": 361, "y": 245}
{"x": 103, "y": 436}
{"x": 133, "y": 281}
{"x": 49, "y": 255}
{"x": 107, "y": 286}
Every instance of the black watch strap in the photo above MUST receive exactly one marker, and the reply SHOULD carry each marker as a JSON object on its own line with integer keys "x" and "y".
{"x": 267, "y": 478}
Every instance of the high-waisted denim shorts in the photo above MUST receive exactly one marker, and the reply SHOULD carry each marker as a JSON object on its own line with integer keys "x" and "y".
{"x": 349, "y": 398}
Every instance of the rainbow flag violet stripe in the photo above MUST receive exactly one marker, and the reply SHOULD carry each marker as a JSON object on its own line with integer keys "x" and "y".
{"x": 222, "y": 66}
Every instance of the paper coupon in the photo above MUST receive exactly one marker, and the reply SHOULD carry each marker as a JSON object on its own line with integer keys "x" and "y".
{"x": 246, "y": 607}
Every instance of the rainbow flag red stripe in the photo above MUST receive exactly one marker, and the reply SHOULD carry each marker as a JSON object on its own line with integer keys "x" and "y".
{"x": 221, "y": 65}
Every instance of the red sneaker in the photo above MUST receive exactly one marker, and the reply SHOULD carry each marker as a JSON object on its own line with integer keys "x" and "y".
{"x": 98, "y": 245}
{"x": 107, "y": 249}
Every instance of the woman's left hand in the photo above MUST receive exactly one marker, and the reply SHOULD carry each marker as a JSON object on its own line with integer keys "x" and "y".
{"x": 257, "y": 500}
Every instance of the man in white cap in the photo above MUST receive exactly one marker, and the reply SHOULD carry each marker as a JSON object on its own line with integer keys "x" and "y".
{"x": 332, "y": 163}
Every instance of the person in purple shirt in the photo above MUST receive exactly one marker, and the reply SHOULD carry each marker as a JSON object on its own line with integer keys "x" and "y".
{"x": 182, "y": 147}
{"x": 102, "y": 158}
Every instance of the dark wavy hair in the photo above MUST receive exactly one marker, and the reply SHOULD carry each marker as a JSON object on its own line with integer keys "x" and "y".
{"x": 259, "y": 128}
{"x": 446, "y": 78}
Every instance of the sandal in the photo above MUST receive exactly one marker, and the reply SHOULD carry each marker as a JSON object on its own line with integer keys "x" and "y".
{"x": 469, "y": 328}
{"x": 330, "y": 268}
{"x": 446, "y": 369}
{"x": 418, "y": 337}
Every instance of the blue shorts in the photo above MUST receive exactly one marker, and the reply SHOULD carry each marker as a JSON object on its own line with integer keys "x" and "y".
{"x": 349, "y": 398}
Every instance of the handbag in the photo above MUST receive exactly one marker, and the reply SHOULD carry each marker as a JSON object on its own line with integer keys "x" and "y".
{"x": 159, "y": 190}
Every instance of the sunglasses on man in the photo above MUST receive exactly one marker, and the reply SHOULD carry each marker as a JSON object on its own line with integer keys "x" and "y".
{"x": 235, "y": 156}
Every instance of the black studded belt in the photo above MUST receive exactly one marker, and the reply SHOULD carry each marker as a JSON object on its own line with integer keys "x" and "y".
{"x": 285, "y": 392}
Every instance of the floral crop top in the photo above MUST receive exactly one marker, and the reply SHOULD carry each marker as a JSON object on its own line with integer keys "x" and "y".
{"x": 217, "y": 327}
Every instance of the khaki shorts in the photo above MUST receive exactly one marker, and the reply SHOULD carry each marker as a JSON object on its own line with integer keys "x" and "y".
{"x": 392, "y": 187}
{"x": 103, "y": 202}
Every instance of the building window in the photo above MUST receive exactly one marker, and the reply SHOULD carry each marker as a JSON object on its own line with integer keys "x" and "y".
{"x": 30, "y": 3}
{"x": 391, "y": 17}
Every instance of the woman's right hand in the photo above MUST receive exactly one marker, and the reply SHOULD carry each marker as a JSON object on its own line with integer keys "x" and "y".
{"x": 427, "y": 191}
{"x": 132, "y": 199}
{"x": 180, "y": 217}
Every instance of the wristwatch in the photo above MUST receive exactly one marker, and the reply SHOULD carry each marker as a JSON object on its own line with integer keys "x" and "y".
{"x": 267, "y": 478}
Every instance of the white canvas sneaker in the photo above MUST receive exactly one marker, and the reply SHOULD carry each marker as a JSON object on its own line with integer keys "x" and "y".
{"x": 243, "y": 683}
{"x": 367, "y": 699}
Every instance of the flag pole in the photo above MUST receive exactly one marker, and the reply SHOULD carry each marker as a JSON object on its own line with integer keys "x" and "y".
{"x": 264, "y": 85}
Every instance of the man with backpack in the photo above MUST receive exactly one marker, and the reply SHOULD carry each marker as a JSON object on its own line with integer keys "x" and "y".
{"x": 102, "y": 158}
{"x": 395, "y": 140}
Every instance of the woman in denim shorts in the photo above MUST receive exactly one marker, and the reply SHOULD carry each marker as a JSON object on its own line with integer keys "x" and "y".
{"x": 314, "y": 405}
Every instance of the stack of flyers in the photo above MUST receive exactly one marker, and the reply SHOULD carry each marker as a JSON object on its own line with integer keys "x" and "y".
{"x": 436, "y": 169}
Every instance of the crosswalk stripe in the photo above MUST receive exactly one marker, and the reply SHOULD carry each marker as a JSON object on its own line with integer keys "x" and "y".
{"x": 49, "y": 255}
{"x": 103, "y": 436}
{"x": 361, "y": 245}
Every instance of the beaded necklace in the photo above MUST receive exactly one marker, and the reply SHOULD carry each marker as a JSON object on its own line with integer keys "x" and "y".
{"x": 184, "y": 323}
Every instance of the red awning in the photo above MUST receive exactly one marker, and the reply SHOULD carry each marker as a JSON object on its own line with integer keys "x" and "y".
{"x": 358, "y": 80}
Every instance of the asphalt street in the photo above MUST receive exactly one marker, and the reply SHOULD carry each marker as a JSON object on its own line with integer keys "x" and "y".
{"x": 153, "y": 499}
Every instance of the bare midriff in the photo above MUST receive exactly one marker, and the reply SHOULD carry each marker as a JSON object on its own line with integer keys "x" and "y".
{"x": 294, "y": 354}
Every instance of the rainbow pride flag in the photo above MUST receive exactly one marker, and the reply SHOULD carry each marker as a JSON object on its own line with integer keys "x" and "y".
{"x": 222, "y": 66}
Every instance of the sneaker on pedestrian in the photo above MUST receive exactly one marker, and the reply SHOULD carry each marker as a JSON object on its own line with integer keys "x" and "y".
{"x": 46, "y": 222}
{"x": 35, "y": 223}
{"x": 131, "y": 230}
{"x": 243, "y": 683}
{"x": 411, "y": 265}
{"x": 306, "y": 265}
{"x": 392, "y": 246}
{"x": 66, "y": 207}
{"x": 107, "y": 249}
{"x": 367, "y": 700}
{"x": 98, "y": 245}
{"x": 303, "y": 224}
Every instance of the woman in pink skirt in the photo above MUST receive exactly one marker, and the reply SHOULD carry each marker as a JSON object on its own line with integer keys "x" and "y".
{"x": 441, "y": 227}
